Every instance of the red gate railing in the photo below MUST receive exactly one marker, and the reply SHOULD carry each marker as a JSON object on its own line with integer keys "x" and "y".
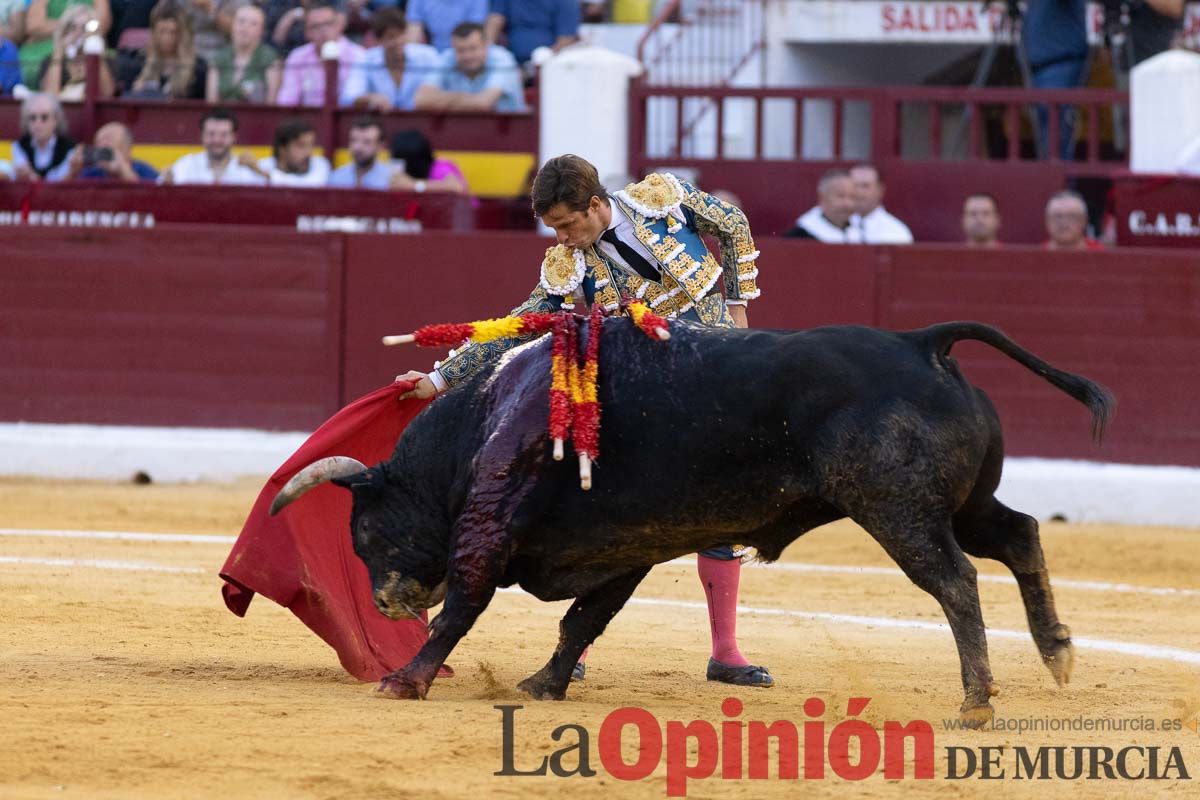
{"x": 908, "y": 123}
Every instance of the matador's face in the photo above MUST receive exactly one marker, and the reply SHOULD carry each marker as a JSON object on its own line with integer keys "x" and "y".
{"x": 578, "y": 228}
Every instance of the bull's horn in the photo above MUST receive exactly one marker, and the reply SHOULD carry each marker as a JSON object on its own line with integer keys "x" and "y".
{"x": 316, "y": 473}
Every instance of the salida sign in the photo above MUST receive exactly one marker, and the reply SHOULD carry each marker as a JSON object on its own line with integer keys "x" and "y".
{"x": 938, "y": 18}
{"x": 925, "y": 21}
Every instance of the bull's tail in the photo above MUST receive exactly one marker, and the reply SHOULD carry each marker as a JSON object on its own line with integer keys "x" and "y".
{"x": 1099, "y": 400}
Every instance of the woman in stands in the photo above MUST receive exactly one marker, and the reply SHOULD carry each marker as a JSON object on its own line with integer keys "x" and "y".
{"x": 246, "y": 70}
{"x": 41, "y": 20}
{"x": 64, "y": 73}
{"x": 417, "y": 169}
{"x": 170, "y": 67}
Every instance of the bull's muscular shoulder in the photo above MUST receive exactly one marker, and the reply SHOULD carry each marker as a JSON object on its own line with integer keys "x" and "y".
{"x": 563, "y": 270}
{"x": 655, "y": 196}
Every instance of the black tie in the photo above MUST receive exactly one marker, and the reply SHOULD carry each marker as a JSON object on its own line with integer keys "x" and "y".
{"x": 630, "y": 256}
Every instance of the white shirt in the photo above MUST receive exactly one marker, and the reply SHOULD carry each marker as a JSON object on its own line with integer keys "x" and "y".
{"x": 317, "y": 175}
{"x": 194, "y": 168}
{"x": 624, "y": 228}
{"x": 825, "y": 231}
{"x": 880, "y": 227}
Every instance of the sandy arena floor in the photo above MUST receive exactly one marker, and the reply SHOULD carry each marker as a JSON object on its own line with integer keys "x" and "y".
{"x": 139, "y": 683}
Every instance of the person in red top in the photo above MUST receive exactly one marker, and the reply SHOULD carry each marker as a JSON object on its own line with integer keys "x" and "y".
{"x": 1066, "y": 223}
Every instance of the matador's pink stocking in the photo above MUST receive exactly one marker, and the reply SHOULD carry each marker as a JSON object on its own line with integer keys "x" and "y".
{"x": 721, "y": 579}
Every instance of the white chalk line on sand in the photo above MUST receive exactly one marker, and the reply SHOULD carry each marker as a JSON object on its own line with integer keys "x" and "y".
{"x": 99, "y": 563}
{"x": 790, "y": 566}
{"x": 1055, "y": 583}
{"x": 127, "y": 536}
{"x": 1126, "y": 648}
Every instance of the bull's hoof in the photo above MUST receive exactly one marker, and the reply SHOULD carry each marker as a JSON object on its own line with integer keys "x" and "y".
{"x": 400, "y": 687}
{"x": 975, "y": 717}
{"x": 1060, "y": 659}
{"x": 540, "y": 689}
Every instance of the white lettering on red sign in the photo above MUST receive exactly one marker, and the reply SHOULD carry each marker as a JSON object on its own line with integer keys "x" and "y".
{"x": 1164, "y": 224}
{"x": 937, "y": 18}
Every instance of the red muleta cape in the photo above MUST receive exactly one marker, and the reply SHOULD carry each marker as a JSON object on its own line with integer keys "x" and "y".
{"x": 303, "y": 558}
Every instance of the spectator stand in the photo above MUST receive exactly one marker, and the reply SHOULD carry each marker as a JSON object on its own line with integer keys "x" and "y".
{"x": 496, "y": 151}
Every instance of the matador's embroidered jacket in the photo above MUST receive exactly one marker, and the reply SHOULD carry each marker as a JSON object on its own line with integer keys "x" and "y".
{"x": 668, "y": 216}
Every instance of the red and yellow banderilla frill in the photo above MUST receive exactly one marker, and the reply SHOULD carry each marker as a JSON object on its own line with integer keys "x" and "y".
{"x": 574, "y": 389}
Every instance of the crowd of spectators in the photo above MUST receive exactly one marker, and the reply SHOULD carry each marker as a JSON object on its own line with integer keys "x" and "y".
{"x": 427, "y": 55}
{"x": 850, "y": 210}
{"x": 294, "y": 161}
{"x": 46, "y": 152}
{"x": 449, "y": 55}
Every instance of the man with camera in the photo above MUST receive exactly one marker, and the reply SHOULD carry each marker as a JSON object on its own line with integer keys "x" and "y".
{"x": 110, "y": 158}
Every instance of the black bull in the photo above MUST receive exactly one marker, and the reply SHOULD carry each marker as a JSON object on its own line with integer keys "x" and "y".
{"x": 717, "y": 436}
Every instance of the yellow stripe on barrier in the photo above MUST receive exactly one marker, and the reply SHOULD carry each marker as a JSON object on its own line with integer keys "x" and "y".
{"x": 501, "y": 175}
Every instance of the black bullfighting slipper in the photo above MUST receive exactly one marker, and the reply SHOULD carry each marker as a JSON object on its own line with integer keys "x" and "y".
{"x": 749, "y": 675}
{"x": 577, "y": 673}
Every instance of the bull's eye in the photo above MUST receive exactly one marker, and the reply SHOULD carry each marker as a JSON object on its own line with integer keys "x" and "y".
{"x": 366, "y": 525}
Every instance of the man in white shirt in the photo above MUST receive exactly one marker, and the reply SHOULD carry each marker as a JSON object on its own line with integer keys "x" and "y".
{"x": 829, "y": 220}
{"x": 294, "y": 162}
{"x": 218, "y": 135}
{"x": 876, "y": 224}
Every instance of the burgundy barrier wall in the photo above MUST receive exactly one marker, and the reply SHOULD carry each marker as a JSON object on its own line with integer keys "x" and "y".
{"x": 229, "y": 326}
{"x": 398, "y": 285}
{"x": 211, "y": 326}
{"x": 93, "y": 204}
{"x": 1130, "y": 321}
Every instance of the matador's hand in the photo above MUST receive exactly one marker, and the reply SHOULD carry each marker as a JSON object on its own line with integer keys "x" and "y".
{"x": 424, "y": 388}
